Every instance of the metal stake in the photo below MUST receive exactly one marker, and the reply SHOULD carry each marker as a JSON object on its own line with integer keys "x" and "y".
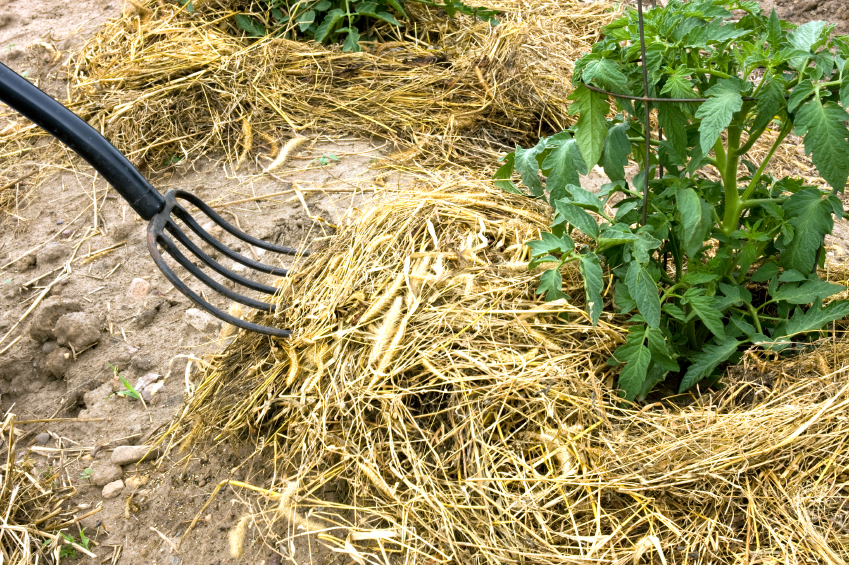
{"x": 647, "y": 106}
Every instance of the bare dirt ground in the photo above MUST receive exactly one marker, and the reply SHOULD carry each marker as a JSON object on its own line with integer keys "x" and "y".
{"x": 76, "y": 248}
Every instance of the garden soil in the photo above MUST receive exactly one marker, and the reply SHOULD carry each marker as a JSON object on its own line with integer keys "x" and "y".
{"x": 75, "y": 245}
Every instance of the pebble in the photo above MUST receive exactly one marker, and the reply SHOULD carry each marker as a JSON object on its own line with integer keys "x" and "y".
{"x": 105, "y": 472}
{"x": 128, "y": 454}
{"x": 146, "y": 380}
{"x": 201, "y": 321}
{"x": 42, "y": 439}
{"x": 113, "y": 489}
{"x": 138, "y": 289}
{"x": 58, "y": 362}
{"x": 136, "y": 481}
{"x": 78, "y": 329}
{"x": 49, "y": 347}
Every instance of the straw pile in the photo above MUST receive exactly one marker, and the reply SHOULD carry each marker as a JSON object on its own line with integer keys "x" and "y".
{"x": 32, "y": 506}
{"x": 167, "y": 86}
{"x": 429, "y": 405}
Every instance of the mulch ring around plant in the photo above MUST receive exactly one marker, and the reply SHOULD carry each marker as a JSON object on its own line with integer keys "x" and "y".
{"x": 430, "y": 408}
{"x": 166, "y": 85}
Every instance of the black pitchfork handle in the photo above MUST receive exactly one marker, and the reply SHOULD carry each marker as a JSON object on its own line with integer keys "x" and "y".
{"x": 27, "y": 99}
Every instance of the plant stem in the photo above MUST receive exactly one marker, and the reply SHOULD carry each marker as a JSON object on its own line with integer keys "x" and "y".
{"x": 746, "y": 204}
{"x": 785, "y": 131}
{"x": 729, "y": 178}
{"x": 755, "y": 318}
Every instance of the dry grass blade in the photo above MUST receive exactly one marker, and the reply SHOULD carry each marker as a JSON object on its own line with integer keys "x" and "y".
{"x": 32, "y": 505}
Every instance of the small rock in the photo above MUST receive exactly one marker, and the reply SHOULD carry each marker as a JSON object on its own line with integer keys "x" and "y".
{"x": 49, "y": 347}
{"x": 45, "y": 318}
{"x": 154, "y": 388}
{"x": 78, "y": 329}
{"x": 58, "y": 362}
{"x": 42, "y": 439}
{"x": 146, "y": 317}
{"x": 201, "y": 321}
{"x": 138, "y": 289}
{"x": 146, "y": 396}
{"x": 52, "y": 252}
{"x": 113, "y": 489}
{"x": 146, "y": 380}
{"x": 136, "y": 481}
{"x": 105, "y": 472}
{"x": 143, "y": 362}
{"x": 128, "y": 454}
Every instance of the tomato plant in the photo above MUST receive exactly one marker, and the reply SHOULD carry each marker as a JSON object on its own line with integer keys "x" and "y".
{"x": 328, "y": 21}
{"x": 707, "y": 264}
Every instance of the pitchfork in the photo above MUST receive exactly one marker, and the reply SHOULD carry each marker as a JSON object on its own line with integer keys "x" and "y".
{"x": 161, "y": 211}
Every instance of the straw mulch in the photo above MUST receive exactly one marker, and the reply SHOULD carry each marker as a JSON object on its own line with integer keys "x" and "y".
{"x": 429, "y": 406}
{"x": 165, "y": 85}
{"x": 33, "y": 506}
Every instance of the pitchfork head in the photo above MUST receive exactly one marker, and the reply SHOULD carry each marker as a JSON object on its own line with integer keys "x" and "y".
{"x": 163, "y": 227}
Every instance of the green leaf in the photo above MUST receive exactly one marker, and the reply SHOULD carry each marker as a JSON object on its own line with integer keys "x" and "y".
{"x": 770, "y": 101}
{"x": 706, "y": 361}
{"x": 352, "y": 42}
{"x": 593, "y": 284}
{"x": 816, "y": 317}
{"x": 527, "y": 166}
{"x": 550, "y": 284}
{"x": 792, "y": 275}
{"x": 370, "y": 9}
{"x": 617, "y": 147}
{"x": 724, "y": 99}
{"x": 844, "y": 87}
{"x": 807, "y": 35}
{"x": 744, "y": 326}
{"x": 606, "y": 74}
{"x": 249, "y": 25}
{"x": 774, "y": 32}
{"x": 660, "y": 350}
{"x": 564, "y": 165}
{"x": 330, "y": 20}
{"x": 679, "y": 84}
{"x": 696, "y": 221}
{"x": 504, "y": 173}
{"x": 643, "y": 290}
{"x": 591, "y": 127}
{"x": 698, "y": 278}
{"x": 577, "y": 217}
{"x": 674, "y": 312}
{"x": 810, "y": 218}
{"x": 706, "y": 308}
{"x": 622, "y": 298}
{"x": 826, "y": 139}
{"x": 765, "y": 272}
{"x": 584, "y": 198}
{"x": 674, "y": 123}
{"x": 395, "y": 5}
{"x": 611, "y": 237}
{"x": 636, "y": 357}
{"x": 801, "y": 92}
{"x": 306, "y": 19}
{"x": 807, "y": 292}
